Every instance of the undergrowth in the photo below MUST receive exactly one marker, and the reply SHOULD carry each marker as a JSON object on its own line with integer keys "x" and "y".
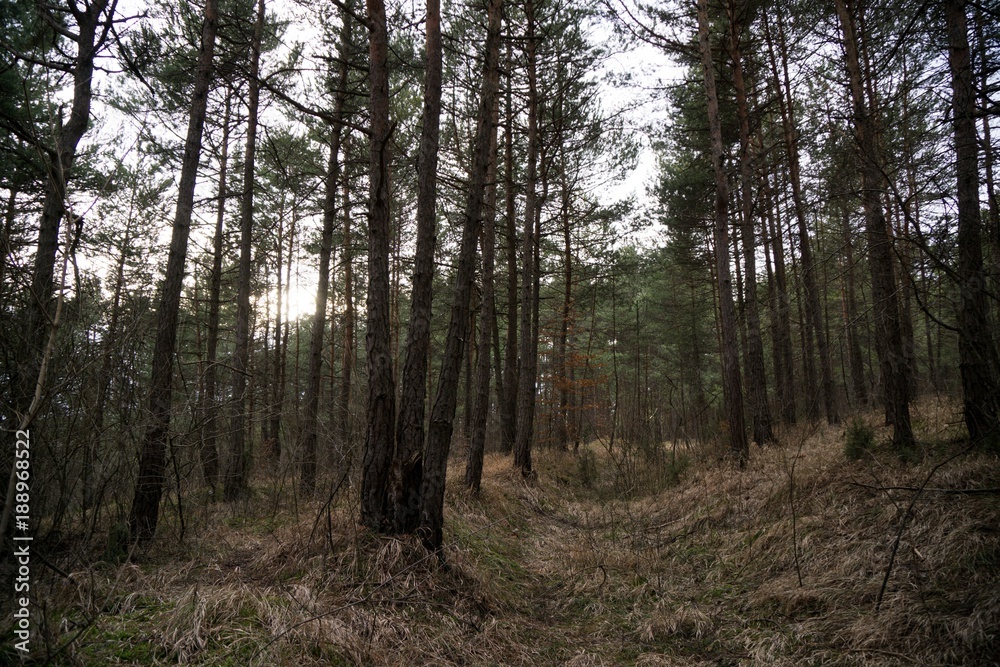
{"x": 805, "y": 557}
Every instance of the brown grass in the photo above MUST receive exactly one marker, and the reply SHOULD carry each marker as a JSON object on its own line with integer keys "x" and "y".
{"x": 777, "y": 564}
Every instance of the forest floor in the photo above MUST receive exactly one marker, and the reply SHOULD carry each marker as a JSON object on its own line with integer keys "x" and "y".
{"x": 676, "y": 557}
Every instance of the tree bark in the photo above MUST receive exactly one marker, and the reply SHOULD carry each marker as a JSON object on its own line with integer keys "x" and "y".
{"x": 977, "y": 360}
{"x": 443, "y": 412}
{"x": 407, "y": 470}
{"x": 855, "y": 358}
{"x": 381, "y": 407}
{"x": 885, "y": 302}
{"x": 310, "y": 422}
{"x": 210, "y": 400}
{"x": 781, "y": 330}
{"x": 814, "y": 312}
{"x": 508, "y": 402}
{"x": 59, "y": 163}
{"x": 237, "y": 467}
{"x": 343, "y": 407}
{"x": 732, "y": 391}
{"x": 756, "y": 378}
{"x": 487, "y": 321}
{"x": 144, "y": 512}
{"x": 528, "y": 362}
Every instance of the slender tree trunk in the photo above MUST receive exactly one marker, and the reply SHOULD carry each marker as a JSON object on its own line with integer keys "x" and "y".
{"x": 756, "y": 378}
{"x": 10, "y": 211}
{"x": 210, "y": 400}
{"x": 851, "y": 315}
{"x": 781, "y": 329}
{"x": 975, "y": 345}
{"x": 344, "y": 430}
{"x": 91, "y": 35}
{"x": 880, "y": 260}
{"x": 381, "y": 407}
{"x": 508, "y": 402}
{"x": 528, "y": 363}
{"x": 813, "y": 309}
{"x": 487, "y": 317}
{"x": 732, "y": 390}
{"x": 145, "y": 508}
{"x": 276, "y": 378}
{"x": 237, "y": 468}
{"x": 310, "y": 422}
{"x": 443, "y": 411}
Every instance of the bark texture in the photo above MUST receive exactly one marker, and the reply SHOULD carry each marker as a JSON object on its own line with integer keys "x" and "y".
{"x": 144, "y": 512}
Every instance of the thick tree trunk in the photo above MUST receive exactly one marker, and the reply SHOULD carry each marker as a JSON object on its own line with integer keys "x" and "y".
{"x": 880, "y": 260}
{"x": 238, "y": 465}
{"x": 145, "y": 508}
{"x": 381, "y": 407}
{"x": 985, "y": 65}
{"x": 407, "y": 470}
{"x": 977, "y": 358}
{"x": 443, "y": 412}
{"x": 732, "y": 391}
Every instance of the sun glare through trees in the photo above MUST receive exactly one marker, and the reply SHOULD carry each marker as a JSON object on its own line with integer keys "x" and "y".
{"x": 579, "y": 332}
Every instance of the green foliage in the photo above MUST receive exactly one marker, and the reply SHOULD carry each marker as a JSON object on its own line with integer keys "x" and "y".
{"x": 859, "y": 438}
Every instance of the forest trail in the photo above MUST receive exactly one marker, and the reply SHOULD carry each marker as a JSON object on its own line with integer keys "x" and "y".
{"x": 711, "y": 566}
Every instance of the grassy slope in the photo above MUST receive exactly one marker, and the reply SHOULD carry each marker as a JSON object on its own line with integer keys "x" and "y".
{"x": 704, "y": 572}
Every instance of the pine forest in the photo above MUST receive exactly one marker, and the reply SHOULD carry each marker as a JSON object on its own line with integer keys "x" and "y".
{"x": 500, "y": 332}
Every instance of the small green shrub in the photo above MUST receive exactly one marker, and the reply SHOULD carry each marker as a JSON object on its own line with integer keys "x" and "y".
{"x": 859, "y": 438}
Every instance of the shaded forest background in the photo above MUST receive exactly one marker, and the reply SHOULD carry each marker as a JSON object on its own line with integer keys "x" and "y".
{"x": 312, "y": 252}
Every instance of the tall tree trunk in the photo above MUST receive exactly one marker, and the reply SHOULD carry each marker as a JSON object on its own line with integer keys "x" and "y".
{"x": 310, "y": 422}
{"x": 508, "y": 402}
{"x": 145, "y": 509}
{"x": 443, "y": 411}
{"x": 381, "y": 407}
{"x": 487, "y": 320}
{"x": 814, "y": 312}
{"x": 528, "y": 363}
{"x": 781, "y": 336}
{"x": 210, "y": 400}
{"x": 886, "y": 304}
{"x": 993, "y": 203}
{"x": 408, "y": 464}
{"x": 344, "y": 431}
{"x": 977, "y": 361}
{"x": 855, "y": 359}
{"x": 756, "y": 378}
{"x": 272, "y": 416}
{"x": 237, "y": 467}
{"x": 90, "y": 37}
{"x": 732, "y": 391}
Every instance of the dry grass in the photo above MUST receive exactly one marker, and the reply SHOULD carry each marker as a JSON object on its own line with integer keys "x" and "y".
{"x": 781, "y": 563}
